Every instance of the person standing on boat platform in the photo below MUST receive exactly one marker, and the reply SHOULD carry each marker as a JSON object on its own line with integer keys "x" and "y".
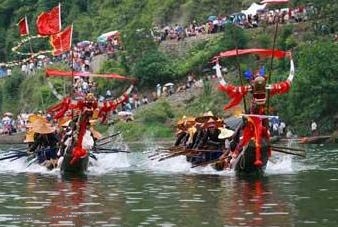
{"x": 314, "y": 128}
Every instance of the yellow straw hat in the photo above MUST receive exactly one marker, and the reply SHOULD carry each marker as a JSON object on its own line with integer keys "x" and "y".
{"x": 206, "y": 116}
{"x": 43, "y": 128}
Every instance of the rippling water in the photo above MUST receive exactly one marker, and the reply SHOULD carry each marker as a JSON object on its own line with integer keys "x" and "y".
{"x": 131, "y": 190}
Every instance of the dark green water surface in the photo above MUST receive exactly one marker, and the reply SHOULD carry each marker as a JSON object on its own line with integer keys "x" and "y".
{"x": 131, "y": 190}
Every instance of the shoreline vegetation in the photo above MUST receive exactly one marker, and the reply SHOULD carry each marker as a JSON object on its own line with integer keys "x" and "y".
{"x": 313, "y": 95}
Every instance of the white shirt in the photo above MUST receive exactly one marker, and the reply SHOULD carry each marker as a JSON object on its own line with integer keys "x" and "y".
{"x": 313, "y": 126}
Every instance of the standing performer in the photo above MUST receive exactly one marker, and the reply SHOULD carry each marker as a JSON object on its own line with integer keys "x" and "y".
{"x": 256, "y": 126}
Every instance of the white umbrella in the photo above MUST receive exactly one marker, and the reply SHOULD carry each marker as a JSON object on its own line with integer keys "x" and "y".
{"x": 124, "y": 113}
{"x": 41, "y": 56}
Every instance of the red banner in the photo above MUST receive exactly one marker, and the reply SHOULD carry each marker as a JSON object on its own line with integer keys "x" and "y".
{"x": 56, "y": 72}
{"x": 260, "y": 52}
{"x": 23, "y": 27}
{"x": 62, "y": 42}
{"x": 49, "y": 23}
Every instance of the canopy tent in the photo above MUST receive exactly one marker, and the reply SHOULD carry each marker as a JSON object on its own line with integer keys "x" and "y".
{"x": 253, "y": 9}
{"x": 103, "y": 38}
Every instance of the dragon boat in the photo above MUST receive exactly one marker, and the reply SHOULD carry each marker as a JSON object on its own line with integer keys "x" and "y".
{"x": 250, "y": 144}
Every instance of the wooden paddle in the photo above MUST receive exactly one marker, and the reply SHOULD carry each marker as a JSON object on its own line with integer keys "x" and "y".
{"x": 287, "y": 148}
{"x": 289, "y": 152}
{"x": 108, "y": 150}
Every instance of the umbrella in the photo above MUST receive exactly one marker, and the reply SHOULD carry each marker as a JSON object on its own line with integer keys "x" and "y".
{"x": 212, "y": 18}
{"x": 41, "y": 56}
{"x": 8, "y": 114}
{"x": 168, "y": 85}
{"x": 83, "y": 43}
{"x": 124, "y": 113}
{"x": 103, "y": 38}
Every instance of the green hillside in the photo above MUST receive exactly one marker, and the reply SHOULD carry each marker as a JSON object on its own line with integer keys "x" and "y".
{"x": 314, "y": 92}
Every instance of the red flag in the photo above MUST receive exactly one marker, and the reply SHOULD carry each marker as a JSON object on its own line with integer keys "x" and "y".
{"x": 49, "y": 23}
{"x": 62, "y": 41}
{"x": 23, "y": 27}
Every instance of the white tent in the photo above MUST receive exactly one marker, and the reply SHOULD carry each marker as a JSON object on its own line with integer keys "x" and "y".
{"x": 253, "y": 9}
{"x": 103, "y": 37}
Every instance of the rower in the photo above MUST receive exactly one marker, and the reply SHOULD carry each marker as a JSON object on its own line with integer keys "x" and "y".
{"x": 45, "y": 145}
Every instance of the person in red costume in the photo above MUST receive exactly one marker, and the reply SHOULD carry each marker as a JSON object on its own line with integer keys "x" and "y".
{"x": 84, "y": 110}
{"x": 254, "y": 127}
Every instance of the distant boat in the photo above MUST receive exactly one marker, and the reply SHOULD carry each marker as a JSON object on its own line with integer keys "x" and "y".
{"x": 311, "y": 139}
{"x": 314, "y": 139}
{"x": 15, "y": 138}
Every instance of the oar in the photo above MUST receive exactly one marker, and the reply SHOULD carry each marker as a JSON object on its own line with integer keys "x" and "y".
{"x": 174, "y": 155}
{"x": 287, "y": 148}
{"x": 109, "y": 150}
{"x": 13, "y": 156}
{"x": 108, "y": 137}
{"x": 91, "y": 155}
{"x": 34, "y": 160}
{"x": 205, "y": 163}
{"x": 104, "y": 143}
{"x": 289, "y": 152}
{"x": 18, "y": 157}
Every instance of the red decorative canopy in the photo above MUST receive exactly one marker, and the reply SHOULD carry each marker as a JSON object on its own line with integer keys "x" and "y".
{"x": 274, "y": 1}
{"x": 56, "y": 73}
{"x": 260, "y": 52}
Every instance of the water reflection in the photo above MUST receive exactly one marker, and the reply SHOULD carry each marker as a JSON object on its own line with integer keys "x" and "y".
{"x": 145, "y": 197}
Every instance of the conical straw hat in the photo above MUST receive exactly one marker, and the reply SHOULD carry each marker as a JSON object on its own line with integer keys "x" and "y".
{"x": 43, "y": 128}
{"x": 225, "y": 133}
{"x": 206, "y": 116}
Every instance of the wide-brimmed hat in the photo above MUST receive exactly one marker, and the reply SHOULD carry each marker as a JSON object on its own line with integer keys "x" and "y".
{"x": 33, "y": 118}
{"x": 189, "y": 122}
{"x": 43, "y": 128}
{"x": 64, "y": 122}
{"x": 225, "y": 133}
{"x": 206, "y": 116}
{"x": 211, "y": 123}
{"x": 186, "y": 122}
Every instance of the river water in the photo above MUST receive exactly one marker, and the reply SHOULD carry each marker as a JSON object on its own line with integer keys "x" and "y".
{"x": 131, "y": 190}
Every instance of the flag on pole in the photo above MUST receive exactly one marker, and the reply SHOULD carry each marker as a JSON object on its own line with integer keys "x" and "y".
{"x": 49, "y": 23}
{"x": 62, "y": 41}
{"x": 23, "y": 26}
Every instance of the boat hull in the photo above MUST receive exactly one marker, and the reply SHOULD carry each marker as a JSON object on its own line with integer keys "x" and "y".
{"x": 79, "y": 167}
{"x": 245, "y": 162}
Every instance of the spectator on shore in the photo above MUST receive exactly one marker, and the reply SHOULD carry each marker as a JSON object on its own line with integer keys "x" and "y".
{"x": 314, "y": 128}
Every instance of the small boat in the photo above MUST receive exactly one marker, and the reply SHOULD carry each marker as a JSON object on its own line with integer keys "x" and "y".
{"x": 314, "y": 140}
{"x": 15, "y": 138}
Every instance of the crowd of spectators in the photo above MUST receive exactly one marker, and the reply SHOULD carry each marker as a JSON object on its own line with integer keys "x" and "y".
{"x": 216, "y": 24}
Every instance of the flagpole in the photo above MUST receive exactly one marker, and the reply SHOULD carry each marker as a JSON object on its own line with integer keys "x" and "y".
{"x": 29, "y": 36}
{"x": 72, "y": 84}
